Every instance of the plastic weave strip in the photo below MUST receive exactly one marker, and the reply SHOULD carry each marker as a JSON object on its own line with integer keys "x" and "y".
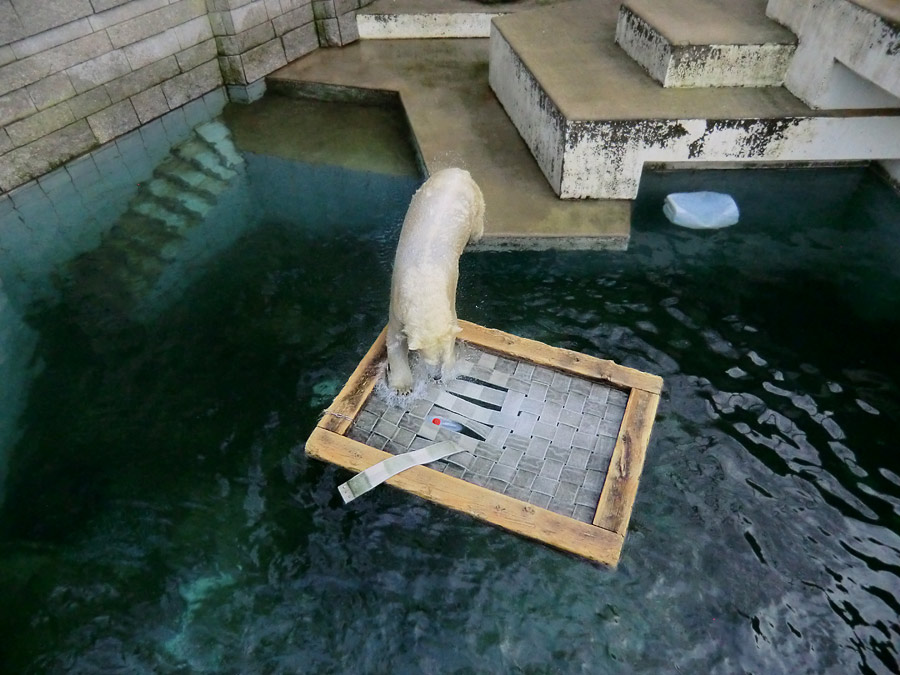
{"x": 536, "y": 434}
{"x": 376, "y": 474}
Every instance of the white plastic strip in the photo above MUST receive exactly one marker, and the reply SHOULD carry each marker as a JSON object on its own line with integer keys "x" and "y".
{"x": 376, "y": 474}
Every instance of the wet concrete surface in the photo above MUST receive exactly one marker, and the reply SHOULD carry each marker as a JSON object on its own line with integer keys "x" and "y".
{"x": 374, "y": 138}
{"x": 458, "y": 121}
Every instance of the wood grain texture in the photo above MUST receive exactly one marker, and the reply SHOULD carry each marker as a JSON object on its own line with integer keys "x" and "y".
{"x": 566, "y": 360}
{"x": 520, "y": 517}
{"x": 620, "y": 488}
{"x": 601, "y": 541}
{"x": 346, "y": 405}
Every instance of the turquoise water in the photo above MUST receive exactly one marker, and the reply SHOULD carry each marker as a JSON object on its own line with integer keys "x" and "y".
{"x": 161, "y": 516}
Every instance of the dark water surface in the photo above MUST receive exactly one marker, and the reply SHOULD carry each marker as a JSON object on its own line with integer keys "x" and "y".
{"x": 162, "y": 517}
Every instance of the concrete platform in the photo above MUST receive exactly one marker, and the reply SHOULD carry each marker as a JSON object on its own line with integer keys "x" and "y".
{"x": 457, "y": 121}
{"x": 411, "y": 19}
{"x": 706, "y": 43}
{"x": 593, "y": 127}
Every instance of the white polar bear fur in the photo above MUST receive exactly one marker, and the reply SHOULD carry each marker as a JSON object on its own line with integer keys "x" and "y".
{"x": 444, "y": 215}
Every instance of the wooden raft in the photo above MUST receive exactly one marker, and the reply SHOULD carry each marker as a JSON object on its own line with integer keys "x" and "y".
{"x": 554, "y": 440}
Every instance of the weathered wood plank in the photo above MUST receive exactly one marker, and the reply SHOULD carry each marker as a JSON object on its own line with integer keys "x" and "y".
{"x": 346, "y": 405}
{"x": 559, "y": 359}
{"x": 600, "y": 541}
{"x": 620, "y": 488}
{"x": 582, "y": 539}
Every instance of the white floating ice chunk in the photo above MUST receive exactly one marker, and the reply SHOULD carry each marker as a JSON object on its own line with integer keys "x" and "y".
{"x": 701, "y": 210}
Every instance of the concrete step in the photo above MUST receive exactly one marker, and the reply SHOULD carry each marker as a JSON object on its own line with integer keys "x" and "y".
{"x": 457, "y": 121}
{"x": 184, "y": 174}
{"x": 162, "y": 213}
{"x": 154, "y": 232}
{"x": 177, "y": 198}
{"x": 203, "y": 157}
{"x": 706, "y": 43}
{"x": 403, "y": 19}
{"x": 593, "y": 128}
{"x": 218, "y": 137}
{"x": 148, "y": 232}
{"x": 848, "y": 55}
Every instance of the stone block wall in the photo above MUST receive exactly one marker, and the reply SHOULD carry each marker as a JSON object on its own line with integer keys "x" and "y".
{"x": 255, "y": 37}
{"x": 53, "y": 218}
{"x": 336, "y": 21}
{"x": 75, "y": 74}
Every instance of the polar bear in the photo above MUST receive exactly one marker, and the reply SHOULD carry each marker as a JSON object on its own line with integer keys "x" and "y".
{"x": 444, "y": 215}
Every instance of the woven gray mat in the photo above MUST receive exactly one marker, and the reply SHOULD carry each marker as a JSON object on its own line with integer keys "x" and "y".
{"x": 532, "y": 433}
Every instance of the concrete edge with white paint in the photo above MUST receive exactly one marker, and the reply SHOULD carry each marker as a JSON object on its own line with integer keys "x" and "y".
{"x": 847, "y": 57}
{"x": 646, "y": 46}
{"x": 499, "y": 243}
{"x": 382, "y": 26}
{"x": 604, "y": 159}
{"x": 729, "y": 65}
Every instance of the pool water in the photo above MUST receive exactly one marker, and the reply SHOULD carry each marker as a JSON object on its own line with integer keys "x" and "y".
{"x": 161, "y": 516}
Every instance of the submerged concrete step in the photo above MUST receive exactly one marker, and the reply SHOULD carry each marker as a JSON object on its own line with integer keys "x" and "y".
{"x": 177, "y": 198}
{"x": 155, "y": 238}
{"x": 706, "y": 43}
{"x": 593, "y": 128}
{"x": 218, "y": 137}
{"x": 410, "y": 19}
{"x": 204, "y": 158}
{"x": 181, "y": 172}
{"x": 162, "y": 213}
{"x": 457, "y": 121}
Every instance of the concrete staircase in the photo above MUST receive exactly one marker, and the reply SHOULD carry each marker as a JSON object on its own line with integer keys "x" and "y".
{"x": 593, "y": 131}
{"x": 598, "y": 89}
{"x": 107, "y": 285}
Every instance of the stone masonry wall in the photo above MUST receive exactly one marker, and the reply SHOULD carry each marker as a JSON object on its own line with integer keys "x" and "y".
{"x": 336, "y": 21}
{"x": 256, "y": 37}
{"x": 75, "y": 74}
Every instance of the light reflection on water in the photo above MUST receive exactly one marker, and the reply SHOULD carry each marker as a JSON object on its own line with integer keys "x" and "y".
{"x": 163, "y": 516}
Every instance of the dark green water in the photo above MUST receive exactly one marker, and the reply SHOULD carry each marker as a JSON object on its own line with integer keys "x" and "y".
{"x": 162, "y": 517}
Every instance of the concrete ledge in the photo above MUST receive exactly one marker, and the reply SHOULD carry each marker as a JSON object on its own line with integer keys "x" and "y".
{"x": 540, "y": 123}
{"x": 615, "y": 119}
{"x": 411, "y": 19}
{"x": 605, "y": 158}
{"x": 701, "y": 63}
{"x": 405, "y": 26}
{"x": 848, "y": 56}
{"x": 499, "y": 243}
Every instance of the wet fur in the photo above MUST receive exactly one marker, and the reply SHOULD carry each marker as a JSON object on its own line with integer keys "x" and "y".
{"x": 444, "y": 215}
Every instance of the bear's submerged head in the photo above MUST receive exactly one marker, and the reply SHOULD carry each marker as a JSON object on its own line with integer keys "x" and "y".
{"x": 434, "y": 347}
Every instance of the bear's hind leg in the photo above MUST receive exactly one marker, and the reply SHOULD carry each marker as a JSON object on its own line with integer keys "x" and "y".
{"x": 399, "y": 375}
